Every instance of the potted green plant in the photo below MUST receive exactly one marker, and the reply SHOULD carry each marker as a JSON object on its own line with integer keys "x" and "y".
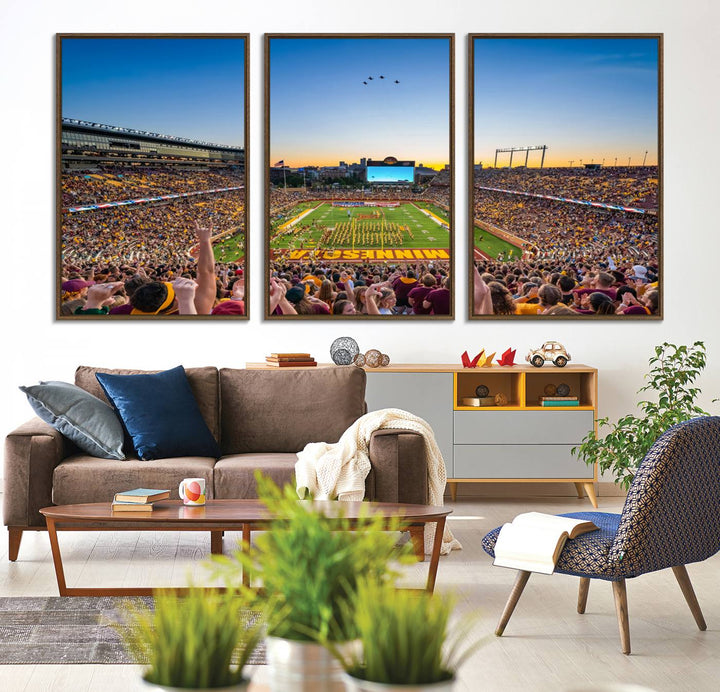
{"x": 405, "y": 641}
{"x": 673, "y": 372}
{"x": 310, "y": 565}
{"x": 198, "y": 641}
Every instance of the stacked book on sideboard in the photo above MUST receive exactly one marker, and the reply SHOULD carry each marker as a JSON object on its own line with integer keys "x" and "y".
{"x": 551, "y": 401}
{"x": 290, "y": 360}
{"x": 138, "y": 500}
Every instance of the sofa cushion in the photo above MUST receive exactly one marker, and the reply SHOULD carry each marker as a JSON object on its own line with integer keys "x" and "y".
{"x": 203, "y": 382}
{"x": 160, "y": 413}
{"x": 281, "y": 411}
{"x": 235, "y": 475}
{"x": 81, "y": 478}
{"x": 83, "y": 418}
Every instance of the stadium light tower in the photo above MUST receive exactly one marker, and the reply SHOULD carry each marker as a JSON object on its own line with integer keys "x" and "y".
{"x": 645, "y": 157}
{"x": 527, "y": 150}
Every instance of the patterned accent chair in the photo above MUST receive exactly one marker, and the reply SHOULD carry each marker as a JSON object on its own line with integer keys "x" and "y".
{"x": 671, "y": 518}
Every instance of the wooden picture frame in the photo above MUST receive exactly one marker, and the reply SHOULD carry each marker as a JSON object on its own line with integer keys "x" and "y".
{"x": 574, "y": 108}
{"x": 356, "y": 101}
{"x": 152, "y": 137}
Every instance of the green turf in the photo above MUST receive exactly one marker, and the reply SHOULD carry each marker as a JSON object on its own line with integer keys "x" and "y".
{"x": 426, "y": 232}
{"x": 230, "y": 249}
{"x": 493, "y": 246}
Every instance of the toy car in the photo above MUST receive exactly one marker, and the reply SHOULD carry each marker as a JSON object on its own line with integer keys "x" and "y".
{"x": 550, "y": 351}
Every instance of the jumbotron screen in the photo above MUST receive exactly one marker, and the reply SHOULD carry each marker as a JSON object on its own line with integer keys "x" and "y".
{"x": 390, "y": 171}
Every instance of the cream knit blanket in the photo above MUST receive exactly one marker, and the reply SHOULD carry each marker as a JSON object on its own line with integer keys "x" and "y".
{"x": 329, "y": 471}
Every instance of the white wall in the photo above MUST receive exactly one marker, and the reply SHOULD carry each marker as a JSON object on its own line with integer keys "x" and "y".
{"x": 36, "y": 347}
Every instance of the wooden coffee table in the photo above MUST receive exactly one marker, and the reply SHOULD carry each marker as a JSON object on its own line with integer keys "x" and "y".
{"x": 218, "y": 516}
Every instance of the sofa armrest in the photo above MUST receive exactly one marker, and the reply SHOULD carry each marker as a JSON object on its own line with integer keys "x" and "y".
{"x": 399, "y": 472}
{"x": 32, "y": 452}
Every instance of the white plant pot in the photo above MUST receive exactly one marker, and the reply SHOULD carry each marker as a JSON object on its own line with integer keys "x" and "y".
{"x": 357, "y": 685}
{"x": 301, "y": 667}
{"x": 239, "y": 687}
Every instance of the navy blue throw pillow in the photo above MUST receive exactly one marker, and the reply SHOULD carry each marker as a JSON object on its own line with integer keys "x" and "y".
{"x": 160, "y": 413}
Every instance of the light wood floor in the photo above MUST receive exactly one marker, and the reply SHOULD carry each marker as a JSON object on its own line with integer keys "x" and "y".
{"x": 547, "y": 646}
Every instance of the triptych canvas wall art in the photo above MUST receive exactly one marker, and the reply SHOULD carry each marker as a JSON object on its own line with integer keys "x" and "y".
{"x": 564, "y": 193}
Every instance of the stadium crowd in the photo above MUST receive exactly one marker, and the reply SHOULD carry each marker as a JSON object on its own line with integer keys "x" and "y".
{"x": 324, "y": 288}
{"x": 106, "y": 184}
{"x": 564, "y": 231}
{"x": 151, "y": 258}
{"x": 576, "y": 259}
{"x": 634, "y": 186}
{"x": 570, "y": 289}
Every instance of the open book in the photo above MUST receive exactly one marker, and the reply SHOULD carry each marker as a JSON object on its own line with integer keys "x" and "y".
{"x": 533, "y": 541}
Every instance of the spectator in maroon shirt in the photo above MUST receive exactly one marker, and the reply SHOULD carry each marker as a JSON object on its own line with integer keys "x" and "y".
{"x": 438, "y": 301}
{"x": 402, "y": 287}
{"x": 418, "y": 294}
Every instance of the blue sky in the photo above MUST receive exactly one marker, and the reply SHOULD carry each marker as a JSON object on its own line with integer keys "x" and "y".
{"x": 586, "y": 99}
{"x": 190, "y": 88}
{"x": 321, "y": 112}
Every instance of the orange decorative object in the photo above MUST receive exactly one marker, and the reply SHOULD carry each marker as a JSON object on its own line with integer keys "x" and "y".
{"x": 508, "y": 358}
{"x": 488, "y": 361}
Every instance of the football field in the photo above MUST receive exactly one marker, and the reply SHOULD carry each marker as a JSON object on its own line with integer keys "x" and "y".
{"x": 493, "y": 246}
{"x": 320, "y": 225}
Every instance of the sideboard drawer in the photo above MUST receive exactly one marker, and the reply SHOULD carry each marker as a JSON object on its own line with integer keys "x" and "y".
{"x": 519, "y": 461}
{"x": 522, "y": 427}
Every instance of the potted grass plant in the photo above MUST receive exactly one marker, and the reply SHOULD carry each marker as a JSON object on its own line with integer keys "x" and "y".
{"x": 199, "y": 641}
{"x": 405, "y": 642}
{"x": 310, "y": 565}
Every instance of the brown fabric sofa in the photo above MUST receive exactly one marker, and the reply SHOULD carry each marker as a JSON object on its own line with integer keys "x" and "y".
{"x": 260, "y": 418}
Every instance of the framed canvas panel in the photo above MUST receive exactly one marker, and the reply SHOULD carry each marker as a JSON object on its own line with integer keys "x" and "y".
{"x": 152, "y": 146}
{"x": 565, "y": 193}
{"x": 359, "y": 176}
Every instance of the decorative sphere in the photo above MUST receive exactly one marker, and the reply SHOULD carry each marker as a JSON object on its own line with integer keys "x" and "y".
{"x": 563, "y": 389}
{"x": 373, "y": 358}
{"x": 500, "y": 399}
{"x": 359, "y": 360}
{"x": 481, "y": 391}
{"x": 343, "y": 350}
{"x": 342, "y": 357}
{"x": 385, "y": 360}
{"x": 550, "y": 390}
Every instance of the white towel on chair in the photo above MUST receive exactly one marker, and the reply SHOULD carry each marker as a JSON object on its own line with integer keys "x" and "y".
{"x": 329, "y": 471}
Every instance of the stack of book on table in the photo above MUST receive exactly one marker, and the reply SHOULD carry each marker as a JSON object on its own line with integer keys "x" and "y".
{"x": 138, "y": 500}
{"x": 559, "y": 401}
{"x": 290, "y": 360}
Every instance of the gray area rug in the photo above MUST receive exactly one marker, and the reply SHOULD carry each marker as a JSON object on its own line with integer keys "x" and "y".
{"x": 70, "y": 630}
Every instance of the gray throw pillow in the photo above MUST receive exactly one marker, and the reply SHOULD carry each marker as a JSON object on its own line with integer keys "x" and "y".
{"x": 83, "y": 418}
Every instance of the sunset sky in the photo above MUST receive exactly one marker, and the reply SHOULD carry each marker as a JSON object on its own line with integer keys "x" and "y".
{"x": 589, "y": 99}
{"x": 321, "y": 112}
{"x": 186, "y": 87}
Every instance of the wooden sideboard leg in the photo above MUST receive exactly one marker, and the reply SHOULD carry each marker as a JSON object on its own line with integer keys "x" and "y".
{"x": 216, "y": 542}
{"x": 583, "y": 594}
{"x": 590, "y": 490}
{"x": 453, "y": 491}
{"x": 580, "y": 490}
{"x": 417, "y": 536}
{"x": 14, "y": 538}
